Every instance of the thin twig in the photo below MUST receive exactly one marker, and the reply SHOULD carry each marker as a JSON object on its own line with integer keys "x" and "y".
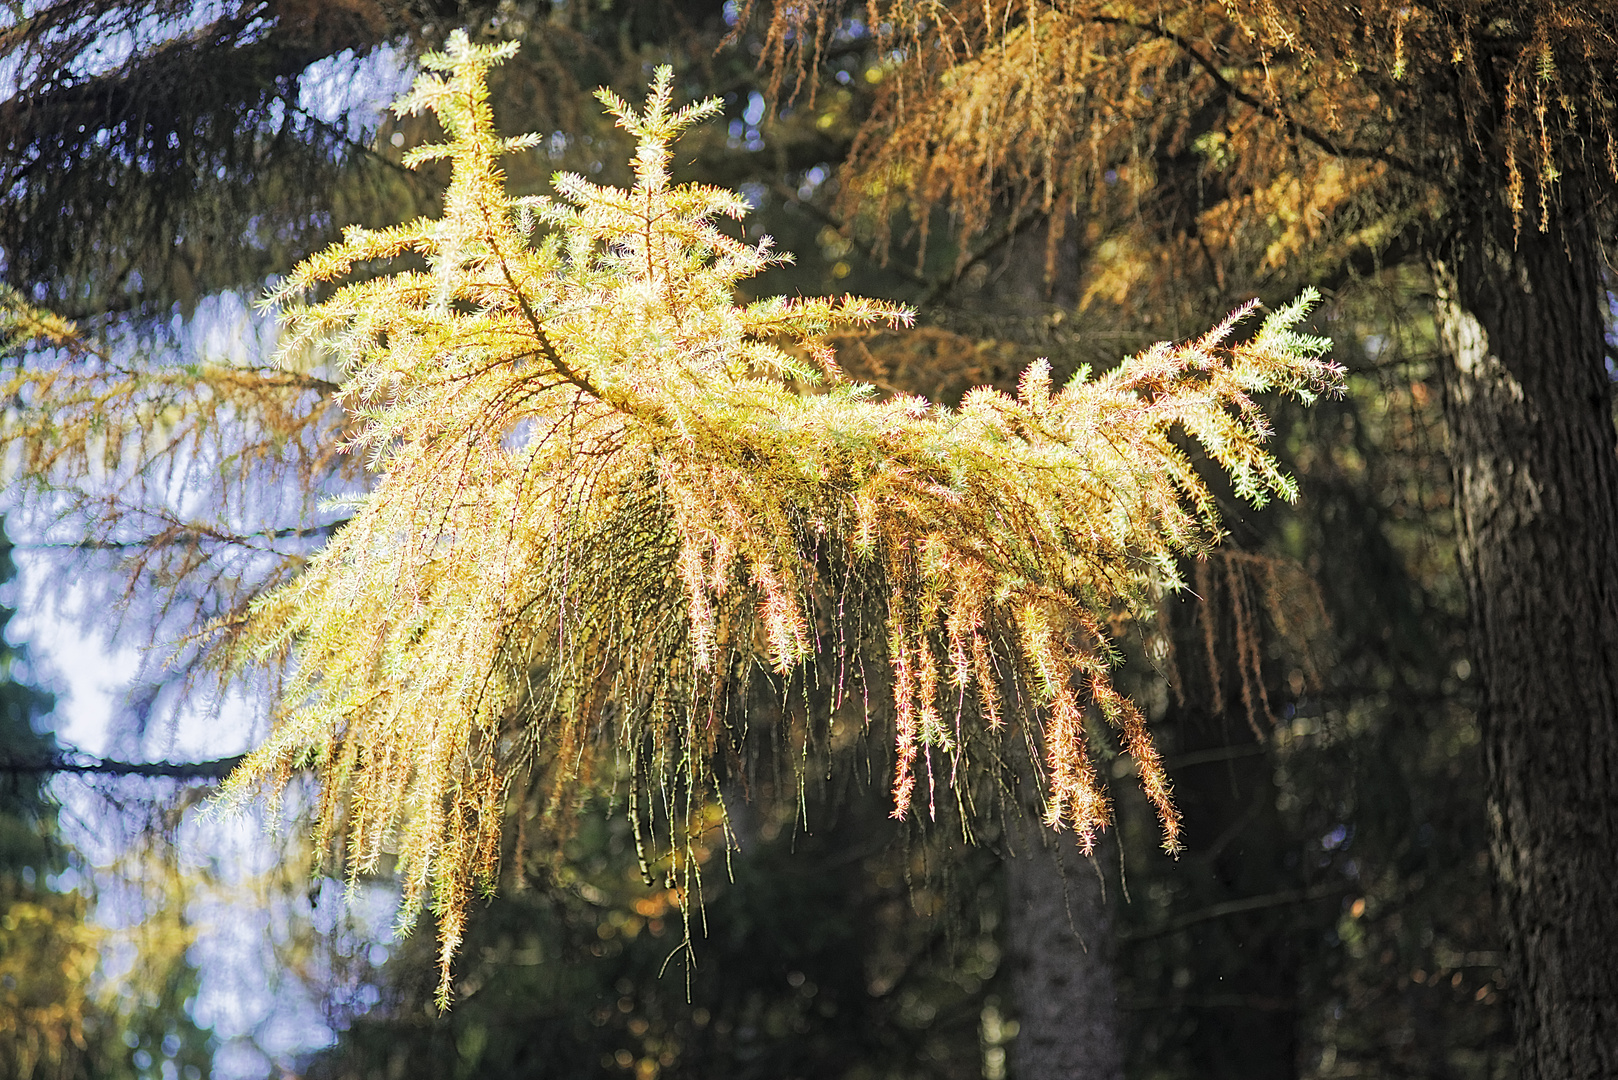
{"x": 1240, "y": 907}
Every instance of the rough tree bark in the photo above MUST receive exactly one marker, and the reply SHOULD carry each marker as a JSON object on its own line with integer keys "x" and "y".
{"x": 1528, "y": 403}
{"x": 1058, "y": 938}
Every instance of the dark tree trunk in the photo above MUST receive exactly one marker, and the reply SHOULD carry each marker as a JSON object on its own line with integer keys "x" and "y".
{"x": 1529, "y": 409}
{"x": 1058, "y": 939}
{"x": 1058, "y": 935}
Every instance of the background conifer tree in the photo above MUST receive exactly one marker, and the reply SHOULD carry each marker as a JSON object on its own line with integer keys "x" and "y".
{"x": 1312, "y": 142}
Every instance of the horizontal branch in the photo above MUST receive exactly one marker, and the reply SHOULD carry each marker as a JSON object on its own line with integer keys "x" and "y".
{"x": 1240, "y": 907}
{"x": 1265, "y": 108}
{"x": 1220, "y": 753}
{"x": 215, "y": 769}
{"x": 189, "y": 534}
{"x": 820, "y": 213}
{"x": 1253, "y": 1002}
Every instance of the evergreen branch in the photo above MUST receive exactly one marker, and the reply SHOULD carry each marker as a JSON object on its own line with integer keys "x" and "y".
{"x": 539, "y": 579}
{"x": 934, "y": 288}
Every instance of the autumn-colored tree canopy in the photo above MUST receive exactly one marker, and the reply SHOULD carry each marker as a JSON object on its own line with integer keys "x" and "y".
{"x": 1238, "y": 143}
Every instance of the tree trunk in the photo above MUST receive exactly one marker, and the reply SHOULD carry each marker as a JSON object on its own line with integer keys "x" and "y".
{"x": 1058, "y": 938}
{"x": 1058, "y": 935}
{"x": 1529, "y": 409}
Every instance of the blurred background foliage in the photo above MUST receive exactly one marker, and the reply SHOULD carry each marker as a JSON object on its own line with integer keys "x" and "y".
{"x": 82, "y": 998}
{"x": 822, "y": 956}
{"x": 1331, "y": 915}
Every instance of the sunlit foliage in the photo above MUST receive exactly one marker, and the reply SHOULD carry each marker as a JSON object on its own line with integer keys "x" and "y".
{"x": 599, "y": 486}
{"x": 602, "y": 491}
